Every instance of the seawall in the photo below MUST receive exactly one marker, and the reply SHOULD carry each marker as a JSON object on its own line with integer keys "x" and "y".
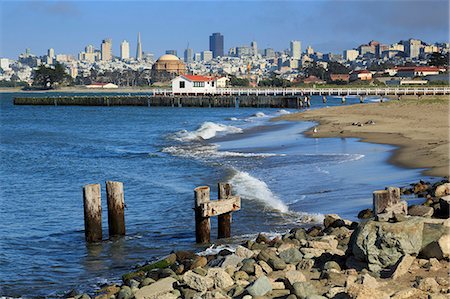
{"x": 167, "y": 101}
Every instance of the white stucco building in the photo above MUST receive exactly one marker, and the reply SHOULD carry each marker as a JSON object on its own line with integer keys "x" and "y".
{"x": 193, "y": 84}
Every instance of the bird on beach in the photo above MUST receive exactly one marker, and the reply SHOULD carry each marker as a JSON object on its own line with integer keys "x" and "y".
{"x": 315, "y": 130}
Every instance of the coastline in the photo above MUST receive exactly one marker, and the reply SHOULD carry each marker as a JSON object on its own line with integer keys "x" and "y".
{"x": 418, "y": 128}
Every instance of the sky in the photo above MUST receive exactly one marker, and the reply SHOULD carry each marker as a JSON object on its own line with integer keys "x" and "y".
{"x": 326, "y": 25}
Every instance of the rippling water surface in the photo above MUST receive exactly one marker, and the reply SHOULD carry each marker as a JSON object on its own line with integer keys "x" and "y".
{"x": 161, "y": 154}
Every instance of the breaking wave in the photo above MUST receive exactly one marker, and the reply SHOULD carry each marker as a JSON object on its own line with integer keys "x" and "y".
{"x": 210, "y": 151}
{"x": 206, "y": 131}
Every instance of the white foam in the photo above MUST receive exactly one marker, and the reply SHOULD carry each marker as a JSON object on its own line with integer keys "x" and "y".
{"x": 206, "y": 131}
{"x": 352, "y": 157}
{"x": 210, "y": 151}
{"x": 249, "y": 187}
{"x": 232, "y": 118}
{"x": 259, "y": 114}
{"x": 282, "y": 112}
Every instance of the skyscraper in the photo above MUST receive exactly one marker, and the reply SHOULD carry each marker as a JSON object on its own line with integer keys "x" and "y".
{"x": 296, "y": 49}
{"x": 124, "y": 50}
{"x": 207, "y": 55}
{"x": 106, "y": 49}
{"x": 172, "y": 52}
{"x": 51, "y": 53}
{"x": 216, "y": 44}
{"x": 254, "y": 46}
{"x": 188, "y": 55}
{"x": 139, "y": 48}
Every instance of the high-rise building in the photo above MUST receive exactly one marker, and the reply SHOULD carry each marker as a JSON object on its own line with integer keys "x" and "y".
{"x": 188, "y": 55}
{"x": 254, "y": 46}
{"x": 309, "y": 51}
{"x": 269, "y": 53}
{"x": 350, "y": 55}
{"x": 216, "y": 44}
{"x": 51, "y": 53}
{"x": 89, "y": 49}
{"x": 171, "y": 52}
{"x": 296, "y": 49}
{"x": 106, "y": 49}
{"x": 207, "y": 55}
{"x": 124, "y": 50}
{"x": 197, "y": 57}
{"x": 412, "y": 47}
{"x": 139, "y": 48}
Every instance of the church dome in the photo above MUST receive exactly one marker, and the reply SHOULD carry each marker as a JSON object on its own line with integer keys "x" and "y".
{"x": 168, "y": 57}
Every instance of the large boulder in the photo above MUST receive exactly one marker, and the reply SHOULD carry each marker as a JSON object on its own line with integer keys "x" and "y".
{"x": 442, "y": 190}
{"x": 155, "y": 290}
{"x": 382, "y": 244}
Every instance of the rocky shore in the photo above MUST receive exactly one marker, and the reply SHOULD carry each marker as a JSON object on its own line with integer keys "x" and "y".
{"x": 392, "y": 252}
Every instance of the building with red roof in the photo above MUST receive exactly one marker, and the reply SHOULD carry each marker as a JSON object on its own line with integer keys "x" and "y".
{"x": 194, "y": 84}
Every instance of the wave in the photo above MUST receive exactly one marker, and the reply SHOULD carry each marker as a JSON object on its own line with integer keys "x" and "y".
{"x": 232, "y": 118}
{"x": 210, "y": 151}
{"x": 249, "y": 187}
{"x": 259, "y": 114}
{"x": 282, "y": 112}
{"x": 206, "y": 131}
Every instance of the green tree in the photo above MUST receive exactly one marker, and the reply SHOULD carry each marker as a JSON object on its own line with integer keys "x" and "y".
{"x": 235, "y": 81}
{"x": 49, "y": 77}
{"x": 438, "y": 59}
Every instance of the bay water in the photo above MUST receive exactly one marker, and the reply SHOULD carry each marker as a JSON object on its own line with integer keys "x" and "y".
{"x": 48, "y": 153}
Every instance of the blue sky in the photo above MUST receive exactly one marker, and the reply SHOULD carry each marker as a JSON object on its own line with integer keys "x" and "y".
{"x": 327, "y": 25}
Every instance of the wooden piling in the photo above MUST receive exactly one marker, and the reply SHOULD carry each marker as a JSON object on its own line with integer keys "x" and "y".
{"x": 116, "y": 208}
{"x": 385, "y": 198}
{"x": 224, "y": 220}
{"x": 202, "y": 224}
{"x": 92, "y": 213}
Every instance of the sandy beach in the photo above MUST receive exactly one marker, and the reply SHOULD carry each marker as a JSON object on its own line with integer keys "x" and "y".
{"x": 419, "y": 128}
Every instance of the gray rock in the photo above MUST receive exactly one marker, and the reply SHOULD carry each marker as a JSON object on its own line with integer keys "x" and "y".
{"x": 365, "y": 214}
{"x": 299, "y": 233}
{"x": 403, "y": 266}
{"x": 266, "y": 254}
{"x": 291, "y": 256}
{"x": 444, "y": 203}
{"x": 418, "y": 210}
{"x": 260, "y": 287}
{"x": 248, "y": 266}
{"x": 304, "y": 289}
{"x": 331, "y": 265}
{"x": 133, "y": 283}
{"x": 198, "y": 282}
{"x": 155, "y": 290}
{"x": 305, "y": 264}
{"x": 329, "y": 219}
{"x": 316, "y": 297}
{"x": 125, "y": 293}
{"x": 146, "y": 282}
{"x": 276, "y": 263}
{"x": 437, "y": 249}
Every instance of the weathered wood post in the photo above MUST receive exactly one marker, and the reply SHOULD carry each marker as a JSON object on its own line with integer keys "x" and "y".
{"x": 224, "y": 220}
{"x": 92, "y": 213}
{"x": 116, "y": 207}
{"x": 202, "y": 224}
{"x": 324, "y": 99}
{"x": 385, "y": 198}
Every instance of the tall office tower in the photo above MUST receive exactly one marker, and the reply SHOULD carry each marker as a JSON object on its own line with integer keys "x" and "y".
{"x": 309, "y": 51}
{"x": 171, "y": 52}
{"x": 254, "y": 46}
{"x": 296, "y": 49}
{"x": 106, "y": 49}
{"x": 188, "y": 55}
{"x": 124, "y": 50}
{"x": 197, "y": 57}
{"x": 350, "y": 55}
{"x": 139, "y": 48}
{"x": 89, "y": 49}
{"x": 412, "y": 47}
{"x": 51, "y": 53}
{"x": 269, "y": 53}
{"x": 216, "y": 44}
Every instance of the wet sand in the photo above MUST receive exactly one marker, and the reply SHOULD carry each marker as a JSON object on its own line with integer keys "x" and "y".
{"x": 419, "y": 128}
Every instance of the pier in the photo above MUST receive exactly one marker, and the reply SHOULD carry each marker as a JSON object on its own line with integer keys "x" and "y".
{"x": 295, "y": 98}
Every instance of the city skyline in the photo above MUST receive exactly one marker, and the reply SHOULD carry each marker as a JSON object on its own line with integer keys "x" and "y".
{"x": 238, "y": 28}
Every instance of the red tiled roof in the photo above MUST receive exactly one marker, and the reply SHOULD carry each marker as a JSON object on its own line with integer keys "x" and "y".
{"x": 418, "y": 68}
{"x": 198, "y": 78}
{"x": 361, "y": 72}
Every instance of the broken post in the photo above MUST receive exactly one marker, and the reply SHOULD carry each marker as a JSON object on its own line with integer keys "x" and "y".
{"x": 116, "y": 208}
{"x": 202, "y": 224}
{"x": 92, "y": 213}
{"x": 385, "y": 198}
{"x": 224, "y": 220}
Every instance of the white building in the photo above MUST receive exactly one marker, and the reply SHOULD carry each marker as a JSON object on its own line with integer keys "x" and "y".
{"x": 207, "y": 55}
{"x": 350, "y": 55}
{"x": 222, "y": 82}
{"x": 102, "y": 85}
{"x": 193, "y": 84}
{"x": 124, "y": 50}
{"x": 5, "y": 64}
{"x": 296, "y": 49}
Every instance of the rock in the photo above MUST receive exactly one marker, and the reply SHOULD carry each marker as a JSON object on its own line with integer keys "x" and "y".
{"x": 248, "y": 266}
{"x": 324, "y": 244}
{"x": 428, "y": 285}
{"x": 276, "y": 263}
{"x": 299, "y": 233}
{"x": 147, "y": 281}
{"x": 442, "y": 190}
{"x": 199, "y": 261}
{"x": 240, "y": 275}
{"x": 331, "y": 265}
{"x": 294, "y": 276}
{"x": 305, "y": 264}
{"x": 409, "y": 293}
{"x": 266, "y": 254}
{"x": 422, "y": 211}
{"x": 243, "y": 252}
{"x": 231, "y": 260}
{"x": 314, "y": 231}
{"x": 336, "y": 292}
{"x": 304, "y": 289}
{"x": 438, "y": 249}
{"x": 398, "y": 208}
{"x": 385, "y": 198}
{"x": 334, "y": 278}
{"x": 265, "y": 266}
{"x": 125, "y": 293}
{"x": 356, "y": 291}
{"x": 291, "y": 256}
{"x": 444, "y": 203}
{"x": 222, "y": 279}
{"x": 402, "y": 266}
{"x": 309, "y": 253}
{"x": 262, "y": 238}
{"x": 258, "y": 271}
{"x": 434, "y": 265}
{"x": 183, "y": 255}
{"x": 198, "y": 282}
{"x": 260, "y": 287}
{"x": 200, "y": 271}
{"x": 368, "y": 280}
{"x": 278, "y": 285}
{"x": 155, "y": 290}
{"x": 420, "y": 187}
{"x": 382, "y": 244}
{"x": 329, "y": 219}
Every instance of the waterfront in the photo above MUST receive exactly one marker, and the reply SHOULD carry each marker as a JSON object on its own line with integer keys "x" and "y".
{"x": 49, "y": 153}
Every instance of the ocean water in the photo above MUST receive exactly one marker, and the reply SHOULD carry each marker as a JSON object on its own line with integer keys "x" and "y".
{"x": 161, "y": 154}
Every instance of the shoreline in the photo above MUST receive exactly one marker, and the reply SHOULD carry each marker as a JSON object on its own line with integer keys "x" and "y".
{"x": 419, "y": 129}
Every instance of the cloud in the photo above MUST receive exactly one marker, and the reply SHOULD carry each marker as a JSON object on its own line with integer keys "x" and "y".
{"x": 54, "y": 8}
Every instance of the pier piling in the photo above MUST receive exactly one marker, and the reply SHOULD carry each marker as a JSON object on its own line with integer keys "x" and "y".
{"x": 202, "y": 224}
{"x": 116, "y": 208}
{"x": 224, "y": 220}
{"x": 92, "y": 213}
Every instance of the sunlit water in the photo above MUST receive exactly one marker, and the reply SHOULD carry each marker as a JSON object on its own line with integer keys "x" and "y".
{"x": 161, "y": 155}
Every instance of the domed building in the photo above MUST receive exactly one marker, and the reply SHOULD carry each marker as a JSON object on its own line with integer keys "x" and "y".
{"x": 167, "y": 67}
